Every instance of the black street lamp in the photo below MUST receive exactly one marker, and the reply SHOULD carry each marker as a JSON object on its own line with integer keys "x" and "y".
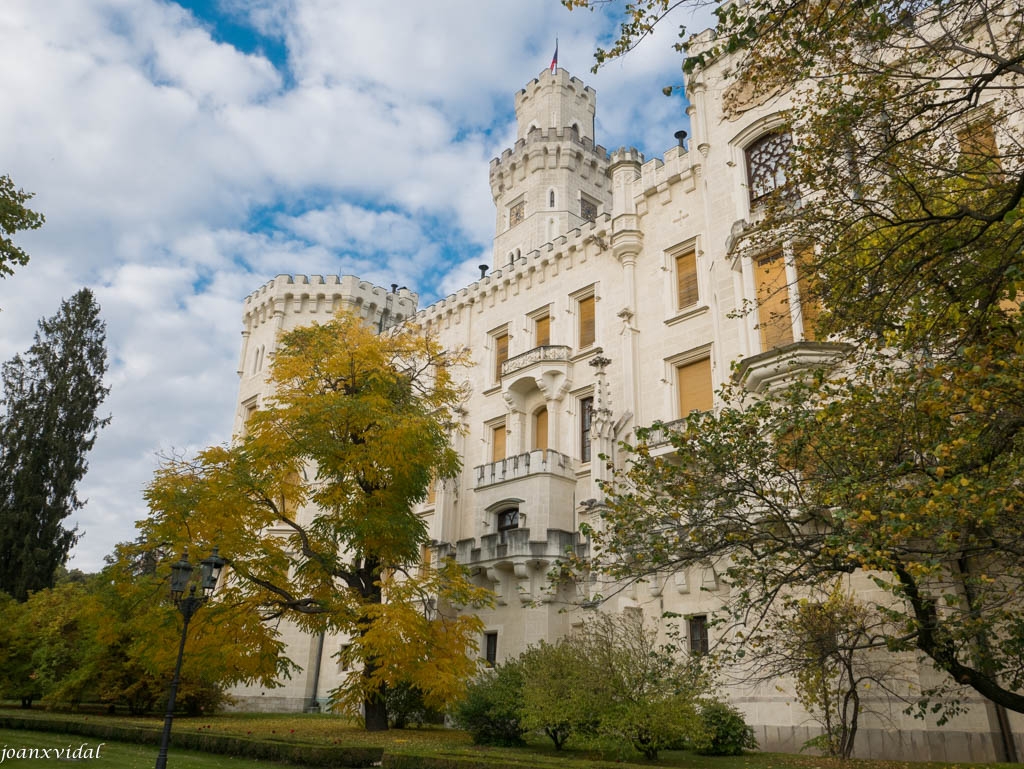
{"x": 181, "y": 573}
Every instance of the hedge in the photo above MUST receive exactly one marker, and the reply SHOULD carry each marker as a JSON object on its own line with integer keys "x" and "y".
{"x": 296, "y": 753}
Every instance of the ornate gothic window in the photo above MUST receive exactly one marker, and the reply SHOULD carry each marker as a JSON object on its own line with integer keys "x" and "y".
{"x": 767, "y": 162}
{"x": 588, "y": 209}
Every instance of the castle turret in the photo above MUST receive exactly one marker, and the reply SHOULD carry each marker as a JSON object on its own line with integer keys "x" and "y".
{"x": 555, "y": 178}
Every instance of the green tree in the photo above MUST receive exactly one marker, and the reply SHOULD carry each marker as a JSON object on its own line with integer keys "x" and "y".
{"x": 14, "y": 217}
{"x": 313, "y": 508}
{"x": 48, "y": 425}
{"x": 903, "y": 458}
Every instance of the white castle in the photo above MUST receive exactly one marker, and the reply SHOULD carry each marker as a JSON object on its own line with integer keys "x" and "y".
{"x": 613, "y": 301}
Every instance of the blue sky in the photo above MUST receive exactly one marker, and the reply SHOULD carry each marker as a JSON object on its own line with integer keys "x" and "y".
{"x": 186, "y": 152}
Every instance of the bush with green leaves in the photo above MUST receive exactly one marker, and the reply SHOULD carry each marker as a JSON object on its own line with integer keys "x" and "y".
{"x": 405, "y": 706}
{"x": 723, "y": 731}
{"x": 492, "y": 709}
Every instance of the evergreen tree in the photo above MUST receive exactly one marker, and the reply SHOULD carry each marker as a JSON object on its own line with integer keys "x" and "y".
{"x": 47, "y": 426}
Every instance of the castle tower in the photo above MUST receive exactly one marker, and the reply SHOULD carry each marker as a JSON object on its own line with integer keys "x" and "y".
{"x": 555, "y": 178}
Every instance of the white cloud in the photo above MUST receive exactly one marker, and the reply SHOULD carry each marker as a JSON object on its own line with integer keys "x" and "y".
{"x": 178, "y": 174}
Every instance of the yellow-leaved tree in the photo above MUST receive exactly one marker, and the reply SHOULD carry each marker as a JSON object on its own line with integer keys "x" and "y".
{"x": 313, "y": 508}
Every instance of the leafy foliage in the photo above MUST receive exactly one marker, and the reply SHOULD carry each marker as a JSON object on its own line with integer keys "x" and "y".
{"x": 901, "y": 459}
{"x": 14, "y": 217}
{"x": 723, "y": 732}
{"x": 49, "y": 424}
{"x": 313, "y": 508}
{"x": 491, "y": 710}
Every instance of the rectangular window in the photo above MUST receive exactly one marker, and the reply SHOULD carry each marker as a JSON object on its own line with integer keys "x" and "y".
{"x": 542, "y": 330}
{"x": 491, "y": 648}
{"x": 585, "y": 308}
{"x": 498, "y": 442}
{"x": 500, "y": 353}
{"x": 586, "y": 416}
{"x": 432, "y": 490}
{"x": 699, "y": 635}
{"x": 686, "y": 279}
{"x": 809, "y": 305}
{"x": 426, "y": 560}
{"x": 693, "y": 381}
{"x": 774, "y": 320}
{"x": 540, "y": 429}
{"x": 979, "y": 153}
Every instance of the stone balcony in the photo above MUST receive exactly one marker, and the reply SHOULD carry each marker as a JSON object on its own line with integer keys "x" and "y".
{"x": 765, "y": 371}
{"x": 544, "y": 355}
{"x": 531, "y": 463}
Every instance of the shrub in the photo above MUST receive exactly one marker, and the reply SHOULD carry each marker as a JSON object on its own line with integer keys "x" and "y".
{"x": 491, "y": 709}
{"x": 405, "y": 706}
{"x": 723, "y": 731}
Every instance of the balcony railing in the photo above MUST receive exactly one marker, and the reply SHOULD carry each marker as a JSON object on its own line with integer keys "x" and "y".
{"x": 544, "y": 353}
{"x": 524, "y": 465}
{"x": 659, "y": 436}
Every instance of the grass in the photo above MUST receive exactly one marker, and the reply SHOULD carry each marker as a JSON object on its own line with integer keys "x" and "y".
{"x": 323, "y": 729}
{"x": 112, "y": 755}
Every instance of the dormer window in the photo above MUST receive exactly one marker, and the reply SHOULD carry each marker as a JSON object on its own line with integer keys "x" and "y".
{"x": 767, "y": 164}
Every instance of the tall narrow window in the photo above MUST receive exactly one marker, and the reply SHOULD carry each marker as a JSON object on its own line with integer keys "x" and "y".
{"x": 551, "y": 199}
{"x": 432, "y": 491}
{"x": 540, "y": 429}
{"x": 491, "y": 648}
{"x": 809, "y": 306}
{"x": 542, "y": 330}
{"x": 767, "y": 163}
{"x": 586, "y": 417}
{"x": 498, "y": 442}
{"x": 979, "y": 153}
{"x": 686, "y": 279}
{"x": 500, "y": 352}
{"x": 693, "y": 381}
{"x": 585, "y": 308}
{"x": 774, "y": 320}
{"x": 699, "y": 635}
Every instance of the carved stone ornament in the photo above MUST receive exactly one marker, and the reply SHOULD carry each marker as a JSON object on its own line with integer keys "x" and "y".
{"x": 744, "y": 95}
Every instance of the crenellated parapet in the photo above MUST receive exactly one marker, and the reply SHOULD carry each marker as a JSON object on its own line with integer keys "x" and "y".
{"x": 499, "y": 285}
{"x": 546, "y": 150}
{"x": 312, "y": 296}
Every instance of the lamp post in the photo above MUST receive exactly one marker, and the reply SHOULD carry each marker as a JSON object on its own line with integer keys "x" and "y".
{"x": 181, "y": 574}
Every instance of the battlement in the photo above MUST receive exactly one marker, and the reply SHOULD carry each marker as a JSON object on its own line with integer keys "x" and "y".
{"x": 546, "y": 136}
{"x": 548, "y": 148}
{"x": 325, "y": 295}
{"x": 573, "y": 248}
{"x": 556, "y": 101}
{"x": 562, "y": 78}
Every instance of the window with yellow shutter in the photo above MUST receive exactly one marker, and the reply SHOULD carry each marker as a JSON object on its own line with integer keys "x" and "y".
{"x": 686, "y": 280}
{"x": 693, "y": 384}
{"x": 542, "y": 330}
{"x": 585, "y": 309}
{"x": 498, "y": 442}
{"x": 500, "y": 352}
{"x": 540, "y": 429}
{"x": 774, "y": 320}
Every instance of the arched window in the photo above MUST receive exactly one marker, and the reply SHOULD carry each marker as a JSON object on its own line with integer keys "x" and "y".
{"x": 551, "y": 199}
{"x": 767, "y": 163}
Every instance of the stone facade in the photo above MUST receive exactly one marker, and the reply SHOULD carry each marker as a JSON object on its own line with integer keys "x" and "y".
{"x": 612, "y": 302}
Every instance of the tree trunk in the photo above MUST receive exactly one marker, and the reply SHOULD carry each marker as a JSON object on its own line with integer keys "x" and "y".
{"x": 375, "y": 713}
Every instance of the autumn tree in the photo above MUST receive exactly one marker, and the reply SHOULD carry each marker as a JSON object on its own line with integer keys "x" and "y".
{"x": 14, "y": 217}
{"x": 903, "y": 195}
{"x": 313, "y": 508}
{"x": 47, "y": 427}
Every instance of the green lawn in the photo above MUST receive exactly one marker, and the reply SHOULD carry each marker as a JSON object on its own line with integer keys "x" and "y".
{"x": 321, "y": 729}
{"x": 112, "y": 755}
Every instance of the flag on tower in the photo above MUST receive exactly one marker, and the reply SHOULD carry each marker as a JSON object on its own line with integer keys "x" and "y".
{"x": 554, "y": 59}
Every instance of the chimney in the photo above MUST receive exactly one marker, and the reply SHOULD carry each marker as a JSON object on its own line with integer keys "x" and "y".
{"x": 681, "y": 138}
{"x": 483, "y": 271}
